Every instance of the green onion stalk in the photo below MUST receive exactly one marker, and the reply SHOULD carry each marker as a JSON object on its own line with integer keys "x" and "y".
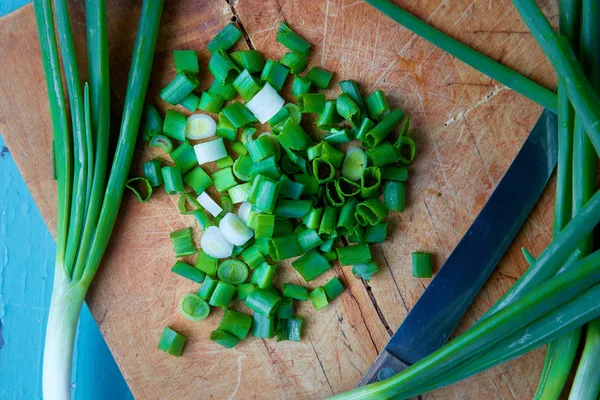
{"x": 87, "y": 203}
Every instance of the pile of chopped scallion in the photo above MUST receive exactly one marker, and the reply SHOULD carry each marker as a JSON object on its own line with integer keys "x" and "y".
{"x": 297, "y": 196}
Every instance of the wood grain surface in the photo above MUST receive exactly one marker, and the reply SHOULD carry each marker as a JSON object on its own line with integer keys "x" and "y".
{"x": 468, "y": 130}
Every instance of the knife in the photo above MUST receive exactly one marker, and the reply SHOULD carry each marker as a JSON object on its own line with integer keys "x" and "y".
{"x": 435, "y": 315}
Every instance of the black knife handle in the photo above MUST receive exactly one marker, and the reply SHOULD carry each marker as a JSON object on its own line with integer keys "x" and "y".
{"x": 386, "y": 365}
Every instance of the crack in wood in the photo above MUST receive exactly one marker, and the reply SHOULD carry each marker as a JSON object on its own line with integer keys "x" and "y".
{"x": 321, "y": 364}
{"x": 393, "y": 278}
{"x": 236, "y": 18}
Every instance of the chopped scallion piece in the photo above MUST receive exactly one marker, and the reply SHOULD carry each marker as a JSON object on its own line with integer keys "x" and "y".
{"x": 267, "y": 167}
{"x": 334, "y": 197}
{"x": 333, "y": 288}
{"x": 355, "y": 254}
{"x": 182, "y": 85}
{"x": 312, "y": 220}
{"x": 222, "y": 295}
{"x": 383, "y": 154}
{"x": 238, "y": 115}
{"x": 394, "y": 195}
{"x": 285, "y": 309}
{"x": 222, "y": 68}
{"x": 330, "y": 255}
{"x": 318, "y": 298}
{"x": 244, "y": 289}
{"x": 175, "y": 125}
{"x": 350, "y": 87}
{"x": 308, "y": 239}
{"x": 338, "y": 136}
{"x": 365, "y": 127}
{"x": 198, "y": 180}
{"x": 200, "y": 126}
{"x": 152, "y": 172}
{"x": 224, "y": 339}
{"x": 182, "y": 242}
{"x": 260, "y": 148}
{"x": 332, "y": 155}
{"x": 263, "y": 327}
{"x": 214, "y": 243}
{"x": 226, "y": 92}
{"x": 235, "y": 323}
{"x": 172, "y": 179}
{"x": 251, "y": 60}
{"x": 295, "y": 114}
{"x": 280, "y": 117}
{"x": 206, "y": 263}
{"x": 210, "y": 103}
{"x": 311, "y": 265}
{"x": 365, "y": 271}
{"x": 225, "y": 162}
{"x": 240, "y": 193}
{"x": 327, "y": 245}
{"x": 171, "y": 342}
{"x": 295, "y": 291}
{"x": 348, "y": 109}
{"x": 233, "y": 272}
{"x": 377, "y": 105}
{"x": 372, "y": 210}
{"x": 186, "y": 60}
{"x": 294, "y": 61}
{"x": 267, "y": 102}
{"x": 284, "y": 247}
{"x": 328, "y": 116}
{"x": 293, "y": 137}
{"x": 275, "y": 74}
{"x": 265, "y": 226}
{"x": 241, "y": 168}
{"x": 314, "y": 151}
{"x": 406, "y": 149}
{"x": 370, "y": 181}
{"x": 422, "y": 266}
{"x": 207, "y": 288}
{"x": 347, "y": 221}
{"x": 328, "y": 221}
{"x": 292, "y": 208}
{"x": 225, "y": 39}
{"x": 239, "y": 148}
{"x": 252, "y": 256}
{"x": 290, "y": 189}
{"x": 376, "y": 233}
{"x": 263, "y": 194}
{"x": 346, "y": 187}
{"x": 187, "y": 200}
{"x": 290, "y": 39}
{"x": 263, "y": 302}
{"x": 384, "y": 128}
{"x": 210, "y": 151}
{"x": 300, "y": 86}
{"x": 358, "y": 235}
{"x": 184, "y": 157}
{"x": 144, "y": 194}
{"x": 193, "y": 307}
{"x": 263, "y": 275}
{"x": 323, "y": 170}
{"x": 394, "y": 173}
{"x": 246, "y": 86}
{"x": 151, "y": 123}
{"x": 289, "y": 329}
{"x": 311, "y": 102}
{"x": 187, "y": 271}
{"x": 234, "y": 230}
{"x": 190, "y": 102}
{"x": 320, "y": 77}
{"x": 224, "y": 179}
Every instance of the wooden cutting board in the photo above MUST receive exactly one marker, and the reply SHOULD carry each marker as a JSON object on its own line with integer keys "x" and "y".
{"x": 468, "y": 130}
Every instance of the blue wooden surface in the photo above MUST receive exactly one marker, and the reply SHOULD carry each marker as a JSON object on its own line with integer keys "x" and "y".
{"x": 26, "y": 271}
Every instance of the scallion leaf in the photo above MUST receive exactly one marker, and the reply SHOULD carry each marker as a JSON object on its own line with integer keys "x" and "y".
{"x": 262, "y": 326}
{"x": 289, "y": 329}
{"x": 406, "y": 149}
{"x": 350, "y": 87}
{"x": 182, "y": 85}
{"x": 187, "y": 271}
{"x": 284, "y": 247}
{"x": 222, "y": 295}
{"x": 251, "y": 60}
{"x": 422, "y": 267}
{"x": 186, "y": 60}
{"x": 193, "y": 307}
{"x": 311, "y": 265}
{"x": 295, "y": 291}
{"x": 182, "y": 242}
{"x": 365, "y": 271}
{"x": 384, "y": 128}
{"x": 333, "y": 288}
{"x": 152, "y": 172}
{"x": 300, "y": 86}
{"x": 208, "y": 287}
{"x": 365, "y": 127}
{"x": 151, "y": 123}
{"x": 347, "y": 221}
{"x": 224, "y": 91}
{"x": 240, "y": 193}
{"x": 290, "y": 39}
{"x": 372, "y": 211}
{"x": 263, "y": 302}
{"x": 265, "y": 226}
{"x": 235, "y": 323}
{"x": 222, "y": 68}
{"x": 225, "y": 39}
{"x": 383, "y": 154}
{"x": 275, "y": 74}
{"x": 234, "y": 230}
{"x": 319, "y": 77}
{"x": 394, "y": 195}
{"x": 311, "y": 102}
{"x": 184, "y": 157}
{"x": 224, "y": 339}
{"x": 318, "y": 298}
{"x": 370, "y": 180}
{"x": 171, "y": 342}
{"x": 294, "y": 61}
{"x": 172, "y": 180}
{"x": 212, "y": 150}
{"x": 377, "y": 105}
{"x": 246, "y": 86}
{"x": 198, "y": 180}
{"x": 175, "y": 125}
{"x": 263, "y": 275}
{"x": 200, "y": 126}
{"x": 328, "y": 221}
{"x": 394, "y": 173}
{"x": 224, "y": 179}
{"x": 338, "y": 136}
{"x": 376, "y": 233}
{"x": 190, "y": 102}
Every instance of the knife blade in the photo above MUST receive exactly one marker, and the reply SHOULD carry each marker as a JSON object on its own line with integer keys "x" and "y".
{"x": 435, "y": 315}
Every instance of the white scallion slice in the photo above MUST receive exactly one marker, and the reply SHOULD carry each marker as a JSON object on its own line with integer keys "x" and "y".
{"x": 244, "y": 211}
{"x": 240, "y": 193}
{"x": 266, "y": 103}
{"x": 214, "y": 243}
{"x": 210, "y": 151}
{"x": 209, "y": 204}
{"x": 200, "y": 126}
{"x": 235, "y": 230}
{"x": 354, "y": 163}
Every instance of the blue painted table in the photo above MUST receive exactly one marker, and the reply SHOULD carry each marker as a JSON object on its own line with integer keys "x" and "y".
{"x": 26, "y": 271}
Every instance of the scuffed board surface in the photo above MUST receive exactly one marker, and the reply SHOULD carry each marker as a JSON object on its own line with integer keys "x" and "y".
{"x": 468, "y": 129}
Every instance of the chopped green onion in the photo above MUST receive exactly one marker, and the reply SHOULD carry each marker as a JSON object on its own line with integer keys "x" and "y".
{"x": 320, "y": 77}
{"x": 239, "y": 148}
{"x": 289, "y": 329}
{"x": 184, "y": 157}
{"x": 338, "y": 136}
{"x": 333, "y": 288}
{"x": 290, "y": 39}
{"x": 233, "y": 272}
{"x": 235, "y": 323}
{"x": 222, "y": 295}
{"x": 372, "y": 210}
{"x": 210, "y": 102}
{"x": 234, "y": 230}
{"x": 241, "y": 168}
{"x": 347, "y": 221}
{"x": 214, "y": 243}
{"x": 224, "y": 339}
{"x": 377, "y": 105}
{"x": 275, "y": 74}
{"x": 300, "y": 86}
{"x": 209, "y": 204}
{"x": 171, "y": 342}
{"x": 190, "y": 102}
{"x": 172, "y": 179}
{"x": 245, "y": 85}
{"x": 238, "y": 114}
{"x": 308, "y": 239}
{"x": 365, "y": 127}
{"x": 290, "y": 189}
{"x": 295, "y": 291}
{"x": 251, "y": 60}
{"x": 346, "y": 187}
{"x": 175, "y": 125}
{"x": 383, "y": 154}
{"x": 284, "y": 247}
{"x": 252, "y": 256}
{"x": 193, "y": 307}
{"x": 186, "y": 200}
{"x": 394, "y": 195}
{"x": 206, "y": 263}
{"x": 334, "y": 197}
{"x": 240, "y": 193}
{"x": 182, "y": 242}
{"x": 222, "y": 68}
{"x": 332, "y": 155}
{"x": 225, "y": 162}
{"x": 328, "y": 221}
{"x": 355, "y": 254}
{"x": 263, "y": 302}
{"x": 328, "y": 116}
{"x": 151, "y": 123}
{"x": 187, "y": 271}
{"x": 327, "y": 245}
{"x": 210, "y": 151}
{"x": 182, "y": 85}
{"x": 224, "y": 179}
{"x": 370, "y": 180}
{"x": 263, "y": 275}
{"x": 130, "y": 184}
{"x": 285, "y": 309}
{"x": 394, "y": 173}
{"x": 311, "y": 265}
{"x": 312, "y": 220}
{"x": 267, "y": 167}
{"x": 263, "y": 194}
{"x": 225, "y": 39}
{"x": 263, "y": 327}
{"x": 265, "y": 226}
{"x": 202, "y": 218}
{"x": 279, "y": 117}
{"x": 323, "y": 170}
{"x": 294, "y": 61}
{"x": 350, "y": 87}
{"x": 244, "y": 289}
{"x": 406, "y": 149}
{"x": 226, "y": 92}
{"x": 348, "y": 109}
{"x": 292, "y": 208}
{"x": 365, "y": 271}
{"x": 198, "y": 180}
{"x": 384, "y": 128}
{"x": 311, "y": 186}
{"x": 376, "y": 233}
{"x": 152, "y": 172}
{"x": 293, "y": 137}
{"x": 318, "y": 298}
{"x": 422, "y": 267}
{"x": 314, "y": 151}
{"x": 186, "y": 60}
{"x": 283, "y": 227}
{"x": 267, "y": 102}
{"x": 260, "y": 148}
{"x": 207, "y": 288}
{"x": 295, "y": 114}
{"x": 200, "y": 126}
{"x": 330, "y": 255}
